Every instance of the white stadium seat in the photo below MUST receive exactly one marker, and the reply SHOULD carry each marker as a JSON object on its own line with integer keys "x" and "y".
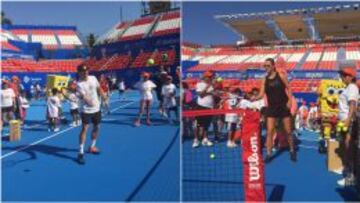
{"x": 69, "y": 40}
{"x": 44, "y": 39}
{"x": 168, "y": 24}
{"x": 137, "y": 30}
{"x": 234, "y": 59}
{"x": 353, "y": 55}
{"x": 211, "y": 59}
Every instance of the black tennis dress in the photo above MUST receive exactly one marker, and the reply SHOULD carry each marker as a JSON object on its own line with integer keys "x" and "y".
{"x": 277, "y": 98}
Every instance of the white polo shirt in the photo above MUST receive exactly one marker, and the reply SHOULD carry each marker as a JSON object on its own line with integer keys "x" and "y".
{"x": 351, "y": 93}
{"x": 208, "y": 100}
{"x": 7, "y": 97}
{"x": 88, "y": 89}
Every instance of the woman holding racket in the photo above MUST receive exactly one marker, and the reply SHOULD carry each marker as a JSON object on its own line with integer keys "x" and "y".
{"x": 276, "y": 88}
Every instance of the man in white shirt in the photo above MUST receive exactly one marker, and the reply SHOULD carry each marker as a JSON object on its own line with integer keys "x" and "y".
{"x": 7, "y": 102}
{"x": 347, "y": 114}
{"x": 205, "y": 100}
{"x": 89, "y": 92}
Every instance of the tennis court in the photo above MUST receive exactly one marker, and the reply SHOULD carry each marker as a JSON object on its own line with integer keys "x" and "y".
{"x": 42, "y": 166}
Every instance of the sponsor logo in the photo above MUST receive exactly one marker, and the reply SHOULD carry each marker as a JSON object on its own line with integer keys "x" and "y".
{"x": 26, "y": 79}
{"x": 253, "y": 159}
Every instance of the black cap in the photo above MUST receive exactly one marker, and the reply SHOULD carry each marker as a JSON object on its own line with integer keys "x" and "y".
{"x": 82, "y": 67}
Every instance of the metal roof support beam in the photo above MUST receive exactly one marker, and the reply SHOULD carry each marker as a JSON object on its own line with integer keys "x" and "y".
{"x": 278, "y": 32}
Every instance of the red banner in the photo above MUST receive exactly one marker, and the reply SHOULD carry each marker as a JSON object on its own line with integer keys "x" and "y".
{"x": 252, "y": 158}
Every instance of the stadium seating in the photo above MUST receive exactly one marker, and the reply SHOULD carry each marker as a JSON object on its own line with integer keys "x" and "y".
{"x": 22, "y": 34}
{"x": 138, "y": 29}
{"x": 329, "y": 58}
{"x": 169, "y": 23}
{"x": 118, "y": 62}
{"x": 25, "y": 65}
{"x": 49, "y": 38}
{"x": 297, "y": 85}
{"x": 7, "y": 46}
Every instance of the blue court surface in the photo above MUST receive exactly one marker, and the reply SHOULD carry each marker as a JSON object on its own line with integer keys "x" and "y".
{"x": 135, "y": 164}
{"x": 221, "y": 178}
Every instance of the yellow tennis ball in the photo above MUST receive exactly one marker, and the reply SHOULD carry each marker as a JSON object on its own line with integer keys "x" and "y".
{"x": 212, "y": 156}
{"x": 150, "y": 62}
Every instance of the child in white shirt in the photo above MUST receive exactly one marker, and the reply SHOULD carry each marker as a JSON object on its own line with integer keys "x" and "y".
{"x": 145, "y": 86}
{"x": 74, "y": 107}
{"x": 24, "y": 104}
{"x": 53, "y": 109}
{"x": 168, "y": 92}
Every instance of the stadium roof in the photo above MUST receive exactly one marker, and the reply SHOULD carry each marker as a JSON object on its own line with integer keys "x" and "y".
{"x": 296, "y": 25}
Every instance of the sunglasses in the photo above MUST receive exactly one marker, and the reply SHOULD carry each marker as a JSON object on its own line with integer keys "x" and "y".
{"x": 266, "y": 65}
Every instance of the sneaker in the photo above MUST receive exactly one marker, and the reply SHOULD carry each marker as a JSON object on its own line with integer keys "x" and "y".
{"x": 196, "y": 143}
{"x": 80, "y": 159}
{"x": 267, "y": 158}
{"x": 341, "y": 182}
{"x": 93, "y": 150}
{"x": 49, "y": 129}
{"x": 230, "y": 144}
{"x": 73, "y": 124}
{"x": 148, "y": 122}
{"x": 137, "y": 123}
{"x": 206, "y": 142}
{"x": 56, "y": 129}
{"x": 293, "y": 156}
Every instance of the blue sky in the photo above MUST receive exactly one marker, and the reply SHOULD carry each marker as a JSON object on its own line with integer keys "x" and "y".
{"x": 89, "y": 17}
{"x": 199, "y": 25}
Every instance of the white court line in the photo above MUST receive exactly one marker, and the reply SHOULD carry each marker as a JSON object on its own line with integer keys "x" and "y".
{"x": 53, "y": 135}
{"x": 308, "y": 147}
{"x": 307, "y": 139}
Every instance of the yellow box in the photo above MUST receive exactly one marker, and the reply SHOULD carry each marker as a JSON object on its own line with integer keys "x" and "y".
{"x": 334, "y": 153}
{"x": 57, "y": 81}
{"x": 15, "y": 130}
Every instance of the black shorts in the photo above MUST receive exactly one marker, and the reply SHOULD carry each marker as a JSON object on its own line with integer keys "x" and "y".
{"x": 7, "y": 109}
{"x": 95, "y": 118}
{"x": 121, "y": 91}
{"x": 232, "y": 126}
{"x": 159, "y": 96}
{"x": 278, "y": 111}
{"x": 354, "y": 128}
{"x": 74, "y": 111}
{"x": 203, "y": 121}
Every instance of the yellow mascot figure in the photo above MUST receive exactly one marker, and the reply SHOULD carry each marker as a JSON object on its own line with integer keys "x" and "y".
{"x": 329, "y": 91}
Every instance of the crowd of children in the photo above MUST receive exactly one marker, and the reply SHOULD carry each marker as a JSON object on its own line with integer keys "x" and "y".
{"x": 229, "y": 98}
{"x": 165, "y": 89}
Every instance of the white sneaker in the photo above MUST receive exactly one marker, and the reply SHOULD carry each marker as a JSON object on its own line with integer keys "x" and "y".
{"x": 341, "y": 182}
{"x": 206, "y": 142}
{"x": 73, "y": 124}
{"x": 347, "y": 181}
{"x": 196, "y": 143}
{"x": 230, "y": 144}
{"x": 56, "y": 129}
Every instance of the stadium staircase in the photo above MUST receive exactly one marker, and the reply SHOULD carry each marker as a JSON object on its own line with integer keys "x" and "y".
{"x": 320, "y": 59}
{"x": 303, "y": 60}
{"x": 153, "y": 26}
{"x": 58, "y": 41}
{"x": 341, "y": 54}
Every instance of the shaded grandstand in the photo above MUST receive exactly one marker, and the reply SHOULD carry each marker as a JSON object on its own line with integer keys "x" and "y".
{"x": 310, "y": 41}
{"x": 32, "y": 51}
